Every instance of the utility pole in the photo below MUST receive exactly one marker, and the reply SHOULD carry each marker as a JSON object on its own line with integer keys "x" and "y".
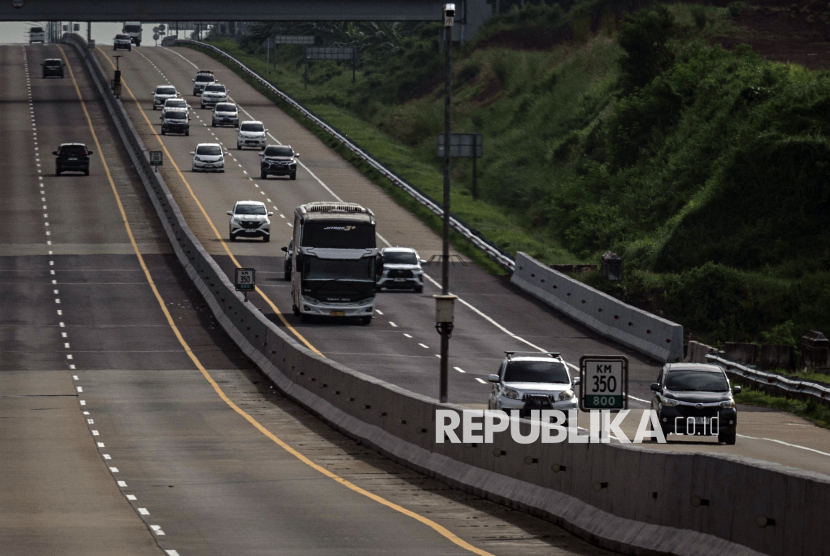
{"x": 444, "y": 303}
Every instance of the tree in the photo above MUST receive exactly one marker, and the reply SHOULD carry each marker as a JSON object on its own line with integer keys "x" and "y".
{"x": 644, "y": 37}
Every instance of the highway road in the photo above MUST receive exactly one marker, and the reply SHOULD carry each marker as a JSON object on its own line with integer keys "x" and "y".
{"x": 129, "y": 423}
{"x": 401, "y": 345}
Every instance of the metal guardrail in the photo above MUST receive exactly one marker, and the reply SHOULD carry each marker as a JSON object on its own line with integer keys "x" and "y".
{"x": 472, "y": 235}
{"x": 771, "y": 381}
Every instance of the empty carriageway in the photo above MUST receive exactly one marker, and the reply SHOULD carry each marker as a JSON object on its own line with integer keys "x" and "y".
{"x": 129, "y": 424}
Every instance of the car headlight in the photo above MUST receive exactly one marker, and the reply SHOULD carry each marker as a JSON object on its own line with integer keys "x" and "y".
{"x": 668, "y": 402}
{"x": 728, "y": 404}
{"x": 510, "y": 393}
{"x": 566, "y": 395}
{"x": 197, "y": 159}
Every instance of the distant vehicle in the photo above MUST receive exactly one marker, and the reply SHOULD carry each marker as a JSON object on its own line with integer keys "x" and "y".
{"x": 278, "y": 160}
{"x": 251, "y": 134}
{"x": 249, "y": 219}
{"x": 401, "y": 269}
{"x": 133, "y": 30}
{"x": 334, "y": 260}
{"x": 527, "y": 381}
{"x": 122, "y": 42}
{"x": 213, "y": 94}
{"x": 169, "y": 40}
{"x": 37, "y": 34}
{"x": 203, "y": 78}
{"x": 286, "y": 263}
{"x": 72, "y": 157}
{"x": 174, "y": 103}
{"x": 208, "y": 157}
{"x": 53, "y": 67}
{"x": 695, "y": 399}
{"x": 225, "y": 113}
{"x": 175, "y": 121}
{"x": 162, "y": 93}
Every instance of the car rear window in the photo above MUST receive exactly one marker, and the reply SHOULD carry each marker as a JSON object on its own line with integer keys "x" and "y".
{"x": 536, "y": 371}
{"x": 696, "y": 381}
{"x": 252, "y": 127}
{"x": 36, "y": 30}
{"x": 73, "y": 150}
{"x": 53, "y": 63}
{"x": 215, "y": 88}
{"x": 175, "y": 103}
{"x": 399, "y": 257}
{"x": 209, "y": 150}
{"x": 279, "y": 151}
{"x": 226, "y": 107}
{"x": 165, "y": 91}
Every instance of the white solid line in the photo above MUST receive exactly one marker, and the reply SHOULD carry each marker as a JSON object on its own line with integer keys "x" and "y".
{"x": 481, "y": 381}
{"x": 786, "y": 444}
{"x": 459, "y": 369}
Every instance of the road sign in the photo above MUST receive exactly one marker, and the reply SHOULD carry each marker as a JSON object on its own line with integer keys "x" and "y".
{"x": 244, "y": 279}
{"x": 156, "y": 158}
{"x": 603, "y": 382}
{"x": 155, "y": 36}
{"x": 463, "y": 145}
{"x": 162, "y": 27}
{"x": 155, "y": 29}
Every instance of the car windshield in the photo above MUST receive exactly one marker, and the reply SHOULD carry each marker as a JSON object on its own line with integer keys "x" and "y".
{"x": 536, "y": 371}
{"x": 279, "y": 151}
{"x": 73, "y": 150}
{"x": 252, "y": 127}
{"x": 175, "y": 103}
{"x": 53, "y": 63}
{"x": 211, "y": 150}
{"x": 122, "y": 37}
{"x": 339, "y": 269}
{"x": 215, "y": 88}
{"x": 250, "y": 209}
{"x": 165, "y": 91}
{"x": 399, "y": 257}
{"x": 226, "y": 108}
{"x": 175, "y": 115}
{"x": 696, "y": 381}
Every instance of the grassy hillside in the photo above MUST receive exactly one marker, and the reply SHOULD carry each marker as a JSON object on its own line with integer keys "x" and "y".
{"x": 705, "y": 169}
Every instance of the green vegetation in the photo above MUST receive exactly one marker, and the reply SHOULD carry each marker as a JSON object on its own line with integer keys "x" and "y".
{"x": 813, "y": 412}
{"x": 707, "y": 170}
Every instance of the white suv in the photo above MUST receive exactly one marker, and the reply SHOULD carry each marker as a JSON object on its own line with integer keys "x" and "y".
{"x": 208, "y": 157}
{"x": 37, "y": 34}
{"x": 174, "y": 104}
{"x": 162, "y": 93}
{"x": 214, "y": 93}
{"x": 401, "y": 270}
{"x": 251, "y": 134}
{"x": 249, "y": 219}
{"x": 532, "y": 381}
{"x": 225, "y": 113}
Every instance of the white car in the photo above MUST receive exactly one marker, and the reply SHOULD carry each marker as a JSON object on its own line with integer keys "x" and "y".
{"x": 213, "y": 94}
{"x": 174, "y": 104}
{"x": 208, "y": 157}
{"x": 225, "y": 113}
{"x": 251, "y": 134}
{"x": 37, "y": 34}
{"x": 122, "y": 42}
{"x": 203, "y": 78}
{"x": 249, "y": 219}
{"x": 401, "y": 270}
{"x": 162, "y": 93}
{"x": 532, "y": 381}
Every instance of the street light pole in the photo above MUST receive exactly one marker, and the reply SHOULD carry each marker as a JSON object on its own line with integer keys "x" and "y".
{"x": 444, "y": 302}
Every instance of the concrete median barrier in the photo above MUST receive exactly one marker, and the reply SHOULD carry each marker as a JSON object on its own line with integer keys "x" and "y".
{"x": 630, "y": 499}
{"x": 632, "y": 327}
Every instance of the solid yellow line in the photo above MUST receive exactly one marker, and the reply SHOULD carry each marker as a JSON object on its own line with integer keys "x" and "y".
{"x": 443, "y": 531}
{"x": 205, "y": 214}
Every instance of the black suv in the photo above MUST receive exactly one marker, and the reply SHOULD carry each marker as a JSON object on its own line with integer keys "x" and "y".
{"x": 72, "y": 157}
{"x": 175, "y": 121}
{"x": 695, "y": 399}
{"x": 278, "y": 160}
{"x": 53, "y": 67}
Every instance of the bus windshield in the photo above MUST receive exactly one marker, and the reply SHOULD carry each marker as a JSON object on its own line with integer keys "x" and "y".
{"x": 338, "y": 234}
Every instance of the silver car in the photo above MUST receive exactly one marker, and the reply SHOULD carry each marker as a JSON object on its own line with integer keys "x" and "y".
{"x": 532, "y": 381}
{"x": 122, "y": 42}
{"x": 162, "y": 93}
{"x": 249, "y": 219}
{"x": 225, "y": 113}
{"x": 401, "y": 270}
{"x": 251, "y": 134}
{"x": 213, "y": 94}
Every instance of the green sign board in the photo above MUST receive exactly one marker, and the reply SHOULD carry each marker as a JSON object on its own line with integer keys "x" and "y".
{"x": 603, "y": 382}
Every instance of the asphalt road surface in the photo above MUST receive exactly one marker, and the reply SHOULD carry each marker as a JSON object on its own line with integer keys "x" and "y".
{"x": 129, "y": 423}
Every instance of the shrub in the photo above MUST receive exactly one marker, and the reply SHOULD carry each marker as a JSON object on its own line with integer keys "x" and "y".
{"x": 644, "y": 37}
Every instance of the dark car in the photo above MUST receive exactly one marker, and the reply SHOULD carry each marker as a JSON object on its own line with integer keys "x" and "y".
{"x": 52, "y": 67}
{"x": 72, "y": 157}
{"x": 286, "y": 265}
{"x": 175, "y": 121}
{"x": 278, "y": 160}
{"x": 696, "y": 400}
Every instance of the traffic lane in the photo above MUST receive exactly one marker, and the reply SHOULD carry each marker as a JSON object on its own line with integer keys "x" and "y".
{"x": 394, "y": 222}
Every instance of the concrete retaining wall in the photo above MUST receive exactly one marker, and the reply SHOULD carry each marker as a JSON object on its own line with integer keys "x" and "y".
{"x": 633, "y": 500}
{"x": 632, "y": 327}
